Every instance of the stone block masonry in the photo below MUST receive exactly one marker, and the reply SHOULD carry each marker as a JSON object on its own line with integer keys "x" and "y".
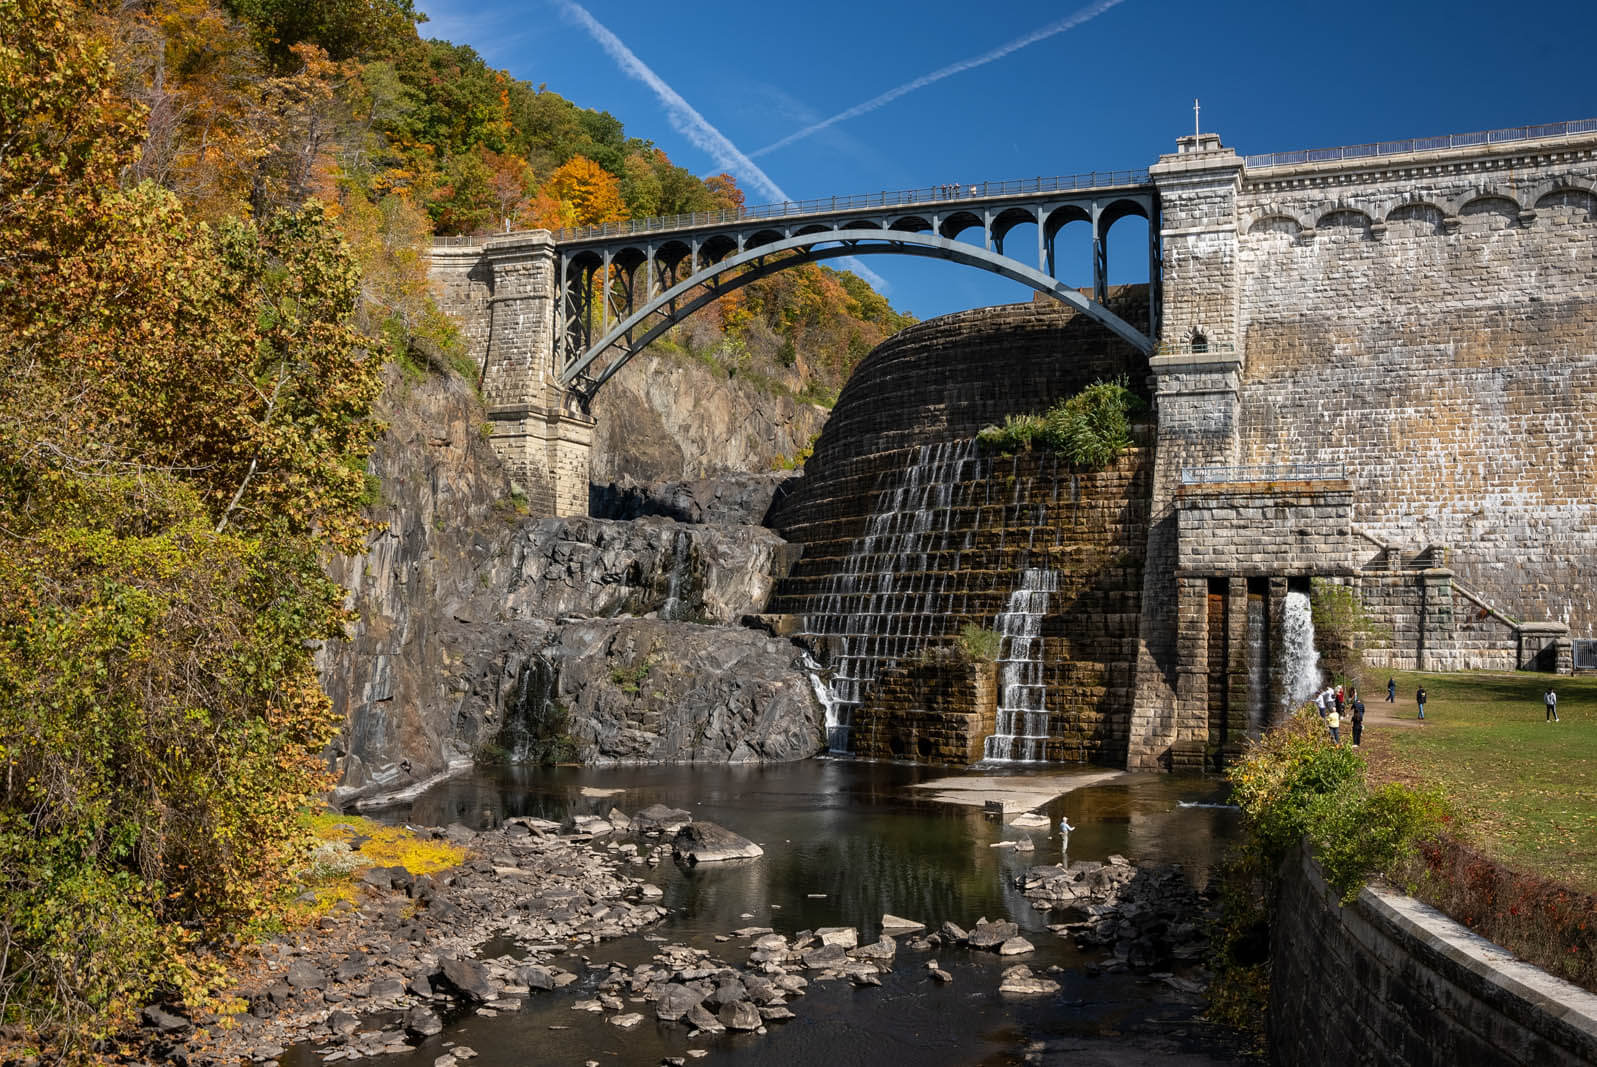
{"x": 1431, "y": 323}
{"x": 1389, "y": 982}
{"x": 1428, "y": 322}
{"x": 503, "y": 296}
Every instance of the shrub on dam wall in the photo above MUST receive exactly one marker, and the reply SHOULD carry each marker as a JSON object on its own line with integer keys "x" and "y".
{"x": 1091, "y": 429}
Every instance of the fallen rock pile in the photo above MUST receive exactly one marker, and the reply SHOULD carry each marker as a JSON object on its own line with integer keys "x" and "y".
{"x": 1148, "y": 916}
{"x": 408, "y": 943}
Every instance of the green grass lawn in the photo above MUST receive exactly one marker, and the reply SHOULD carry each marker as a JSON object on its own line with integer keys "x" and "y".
{"x": 1526, "y": 789}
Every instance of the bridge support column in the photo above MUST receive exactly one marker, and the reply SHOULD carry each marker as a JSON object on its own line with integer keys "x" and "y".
{"x": 544, "y": 447}
{"x": 1196, "y": 375}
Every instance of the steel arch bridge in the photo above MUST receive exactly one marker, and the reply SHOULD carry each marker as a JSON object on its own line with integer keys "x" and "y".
{"x": 690, "y": 261}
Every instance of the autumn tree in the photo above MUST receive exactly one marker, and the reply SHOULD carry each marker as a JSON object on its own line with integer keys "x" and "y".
{"x": 184, "y": 416}
{"x": 593, "y": 193}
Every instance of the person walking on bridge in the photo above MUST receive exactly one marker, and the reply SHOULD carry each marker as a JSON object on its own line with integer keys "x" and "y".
{"x": 1550, "y": 698}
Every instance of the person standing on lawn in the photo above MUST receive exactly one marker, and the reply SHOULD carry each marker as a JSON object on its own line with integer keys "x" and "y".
{"x": 1550, "y": 698}
{"x": 1358, "y": 718}
{"x": 1391, "y": 690}
{"x": 1419, "y": 698}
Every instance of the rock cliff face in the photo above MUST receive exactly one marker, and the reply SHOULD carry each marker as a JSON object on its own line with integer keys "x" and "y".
{"x": 664, "y": 418}
{"x": 468, "y": 614}
{"x": 419, "y": 592}
{"x": 630, "y": 690}
{"x": 652, "y": 566}
{"x": 735, "y": 498}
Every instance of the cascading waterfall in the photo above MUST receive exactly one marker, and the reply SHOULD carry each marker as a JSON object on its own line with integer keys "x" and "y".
{"x": 526, "y": 717}
{"x": 884, "y": 604}
{"x": 1022, "y": 726}
{"x": 1302, "y": 661}
{"x": 678, "y": 558}
{"x": 1258, "y": 667}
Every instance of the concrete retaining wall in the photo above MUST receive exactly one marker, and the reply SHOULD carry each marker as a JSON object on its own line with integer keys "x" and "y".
{"x": 1388, "y": 980}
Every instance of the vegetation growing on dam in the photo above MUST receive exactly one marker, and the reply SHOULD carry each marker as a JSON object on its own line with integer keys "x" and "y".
{"x": 1091, "y": 429}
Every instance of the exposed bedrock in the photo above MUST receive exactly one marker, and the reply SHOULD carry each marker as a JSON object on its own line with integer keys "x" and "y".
{"x": 459, "y": 598}
{"x": 737, "y": 498}
{"x": 665, "y": 417}
{"x": 645, "y": 691}
{"x": 651, "y": 566}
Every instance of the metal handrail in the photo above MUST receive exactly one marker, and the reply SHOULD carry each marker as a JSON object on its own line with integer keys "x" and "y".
{"x": 1422, "y": 144}
{"x": 931, "y": 194}
{"x": 954, "y": 192}
{"x": 1269, "y": 472}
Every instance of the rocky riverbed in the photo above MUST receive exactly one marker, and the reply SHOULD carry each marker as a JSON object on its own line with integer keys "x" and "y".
{"x": 410, "y": 954}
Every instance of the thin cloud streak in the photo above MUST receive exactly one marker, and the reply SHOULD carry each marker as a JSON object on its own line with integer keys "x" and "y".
{"x": 689, "y": 123}
{"x": 683, "y": 117}
{"x": 1070, "y": 22}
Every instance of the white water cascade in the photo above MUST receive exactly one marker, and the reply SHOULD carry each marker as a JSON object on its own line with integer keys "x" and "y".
{"x": 886, "y": 602}
{"x": 1021, "y": 732}
{"x": 1301, "y": 674}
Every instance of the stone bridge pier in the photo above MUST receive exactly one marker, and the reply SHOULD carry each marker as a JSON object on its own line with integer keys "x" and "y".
{"x": 503, "y": 293}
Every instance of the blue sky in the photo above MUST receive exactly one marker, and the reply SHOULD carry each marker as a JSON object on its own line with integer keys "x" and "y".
{"x": 1113, "y": 91}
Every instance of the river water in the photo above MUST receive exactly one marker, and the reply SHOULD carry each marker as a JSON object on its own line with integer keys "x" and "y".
{"x": 846, "y": 841}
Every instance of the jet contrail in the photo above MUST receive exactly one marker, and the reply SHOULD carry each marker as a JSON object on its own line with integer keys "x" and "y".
{"x": 1091, "y": 11}
{"x": 689, "y": 123}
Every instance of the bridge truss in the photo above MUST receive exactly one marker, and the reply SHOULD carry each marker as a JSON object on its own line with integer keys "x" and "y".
{"x": 649, "y": 279}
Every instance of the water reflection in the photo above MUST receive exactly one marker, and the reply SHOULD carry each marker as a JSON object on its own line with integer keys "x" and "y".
{"x": 845, "y": 842}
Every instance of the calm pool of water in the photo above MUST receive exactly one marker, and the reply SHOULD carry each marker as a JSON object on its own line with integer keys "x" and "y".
{"x": 845, "y": 842}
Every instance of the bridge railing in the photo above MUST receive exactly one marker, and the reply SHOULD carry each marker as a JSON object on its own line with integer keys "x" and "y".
{"x": 1267, "y": 472}
{"x": 931, "y": 195}
{"x": 1423, "y": 144}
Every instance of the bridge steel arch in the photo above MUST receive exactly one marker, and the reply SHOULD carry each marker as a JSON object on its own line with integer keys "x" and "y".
{"x": 726, "y": 276}
{"x": 719, "y": 260}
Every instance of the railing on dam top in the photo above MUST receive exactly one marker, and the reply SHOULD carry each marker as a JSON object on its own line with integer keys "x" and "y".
{"x": 825, "y": 205}
{"x": 1423, "y": 144}
{"x": 1268, "y": 472}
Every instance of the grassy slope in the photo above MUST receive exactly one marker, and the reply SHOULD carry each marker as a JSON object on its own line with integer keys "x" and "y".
{"x": 1527, "y": 789}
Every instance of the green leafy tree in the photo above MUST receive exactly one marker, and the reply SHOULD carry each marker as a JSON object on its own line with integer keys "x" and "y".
{"x": 184, "y": 415}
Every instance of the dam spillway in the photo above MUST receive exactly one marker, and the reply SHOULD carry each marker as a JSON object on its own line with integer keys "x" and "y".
{"x": 912, "y": 533}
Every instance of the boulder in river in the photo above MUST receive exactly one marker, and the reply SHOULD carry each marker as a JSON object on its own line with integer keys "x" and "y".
{"x": 659, "y": 819}
{"x": 1019, "y": 981}
{"x": 706, "y": 842}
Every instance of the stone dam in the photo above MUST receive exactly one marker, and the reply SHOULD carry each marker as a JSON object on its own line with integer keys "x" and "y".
{"x": 1377, "y": 369}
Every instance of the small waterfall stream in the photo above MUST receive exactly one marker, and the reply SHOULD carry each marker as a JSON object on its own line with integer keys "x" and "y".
{"x": 1302, "y": 661}
{"x": 1021, "y": 732}
{"x": 885, "y": 603}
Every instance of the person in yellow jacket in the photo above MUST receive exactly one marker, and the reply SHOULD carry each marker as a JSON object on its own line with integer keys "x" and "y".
{"x": 1334, "y": 720}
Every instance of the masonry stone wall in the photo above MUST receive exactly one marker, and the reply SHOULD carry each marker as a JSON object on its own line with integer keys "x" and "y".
{"x": 940, "y": 709}
{"x": 1388, "y": 982}
{"x": 462, "y": 285}
{"x": 1431, "y": 323}
{"x": 1259, "y": 529}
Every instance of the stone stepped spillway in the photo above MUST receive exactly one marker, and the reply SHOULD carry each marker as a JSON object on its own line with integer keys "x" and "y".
{"x": 911, "y": 533}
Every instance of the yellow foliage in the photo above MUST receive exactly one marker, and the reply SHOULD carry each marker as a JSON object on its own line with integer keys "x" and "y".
{"x": 389, "y": 845}
{"x": 593, "y": 192}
